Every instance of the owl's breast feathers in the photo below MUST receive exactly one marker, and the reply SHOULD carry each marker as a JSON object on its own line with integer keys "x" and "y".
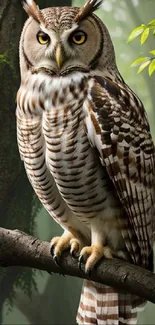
{"x": 59, "y": 120}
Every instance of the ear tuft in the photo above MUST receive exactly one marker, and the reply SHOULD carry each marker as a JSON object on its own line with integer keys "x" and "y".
{"x": 33, "y": 10}
{"x": 87, "y": 9}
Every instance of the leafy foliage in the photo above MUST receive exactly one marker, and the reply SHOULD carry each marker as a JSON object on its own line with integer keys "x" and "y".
{"x": 144, "y": 31}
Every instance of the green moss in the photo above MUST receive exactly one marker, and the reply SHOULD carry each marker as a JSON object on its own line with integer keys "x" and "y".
{"x": 6, "y": 59}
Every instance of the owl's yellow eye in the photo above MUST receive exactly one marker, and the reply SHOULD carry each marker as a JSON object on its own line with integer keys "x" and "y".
{"x": 43, "y": 38}
{"x": 79, "y": 37}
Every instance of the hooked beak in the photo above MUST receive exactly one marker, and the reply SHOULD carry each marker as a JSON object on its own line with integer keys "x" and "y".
{"x": 59, "y": 56}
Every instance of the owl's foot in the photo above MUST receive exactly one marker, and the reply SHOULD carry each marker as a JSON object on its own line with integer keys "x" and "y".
{"x": 60, "y": 244}
{"x": 92, "y": 254}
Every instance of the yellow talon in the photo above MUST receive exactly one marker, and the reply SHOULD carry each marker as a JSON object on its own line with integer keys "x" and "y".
{"x": 92, "y": 254}
{"x": 66, "y": 241}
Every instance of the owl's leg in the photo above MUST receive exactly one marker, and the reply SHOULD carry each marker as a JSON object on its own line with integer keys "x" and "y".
{"x": 66, "y": 241}
{"x": 90, "y": 255}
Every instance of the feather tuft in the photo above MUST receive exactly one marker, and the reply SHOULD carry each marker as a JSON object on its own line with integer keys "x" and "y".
{"x": 89, "y": 7}
{"x": 33, "y": 10}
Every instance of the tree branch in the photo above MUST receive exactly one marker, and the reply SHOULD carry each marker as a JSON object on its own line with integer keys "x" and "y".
{"x": 18, "y": 248}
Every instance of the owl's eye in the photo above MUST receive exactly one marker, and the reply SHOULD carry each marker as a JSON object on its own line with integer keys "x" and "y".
{"x": 43, "y": 38}
{"x": 78, "y": 37}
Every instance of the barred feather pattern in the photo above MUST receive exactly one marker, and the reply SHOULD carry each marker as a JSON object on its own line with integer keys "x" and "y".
{"x": 121, "y": 132}
{"x": 103, "y": 305}
{"x": 61, "y": 165}
{"x": 117, "y": 125}
{"x": 70, "y": 181}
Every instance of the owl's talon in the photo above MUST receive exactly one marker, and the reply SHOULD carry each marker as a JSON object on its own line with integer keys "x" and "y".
{"x": 81, "y": 261}
{"x": 74, "y": 254}
{"x": 52, "y": 250}
{"x": 60, "y": 244}
{"x": 92, "y": 255}
{"x": 57, "y": 260}
{"x": 75, "y": 245}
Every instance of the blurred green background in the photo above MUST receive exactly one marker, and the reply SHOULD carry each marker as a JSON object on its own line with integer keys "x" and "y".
{"x": 34, "y": 297}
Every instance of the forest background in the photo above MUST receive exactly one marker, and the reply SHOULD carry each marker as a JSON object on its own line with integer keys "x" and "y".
{"x": 34, "y": 297}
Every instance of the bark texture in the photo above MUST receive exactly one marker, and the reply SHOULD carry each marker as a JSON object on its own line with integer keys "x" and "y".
{"x": 20, "y": 249}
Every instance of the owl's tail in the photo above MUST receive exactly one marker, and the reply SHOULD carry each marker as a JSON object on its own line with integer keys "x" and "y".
{"x": 103, "y": 305}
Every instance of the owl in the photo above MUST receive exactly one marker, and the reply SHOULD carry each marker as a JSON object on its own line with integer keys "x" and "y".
{"x": 85, "y": 140}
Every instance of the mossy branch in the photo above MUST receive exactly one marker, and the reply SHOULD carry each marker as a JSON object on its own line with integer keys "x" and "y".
{"x": 19, "y": 249}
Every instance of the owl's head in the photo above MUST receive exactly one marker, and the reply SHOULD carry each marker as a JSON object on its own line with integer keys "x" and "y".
{"x": 65, "y": 39}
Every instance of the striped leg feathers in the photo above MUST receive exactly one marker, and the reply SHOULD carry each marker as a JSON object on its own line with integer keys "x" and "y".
{"x": 103, "y": 305}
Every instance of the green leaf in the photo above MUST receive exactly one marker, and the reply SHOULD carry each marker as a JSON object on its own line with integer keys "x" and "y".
{"x": 151, "y": 67}
{"x": 152, "y": 22}
{"x": 152, "y": 52}
{"x": 138, "y": 61}
{"x": 143, "y": 66}
{"x": 144, "y": 36}
{"x": 135, "y": 33}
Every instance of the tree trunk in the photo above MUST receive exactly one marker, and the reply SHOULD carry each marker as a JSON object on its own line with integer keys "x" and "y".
{"x": 17, "y": 196}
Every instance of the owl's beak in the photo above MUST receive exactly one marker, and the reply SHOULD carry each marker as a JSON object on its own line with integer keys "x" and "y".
{"x": 59, "y": 56}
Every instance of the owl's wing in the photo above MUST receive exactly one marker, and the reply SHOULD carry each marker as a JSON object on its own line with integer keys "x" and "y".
{"x": 117, "y": 125}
